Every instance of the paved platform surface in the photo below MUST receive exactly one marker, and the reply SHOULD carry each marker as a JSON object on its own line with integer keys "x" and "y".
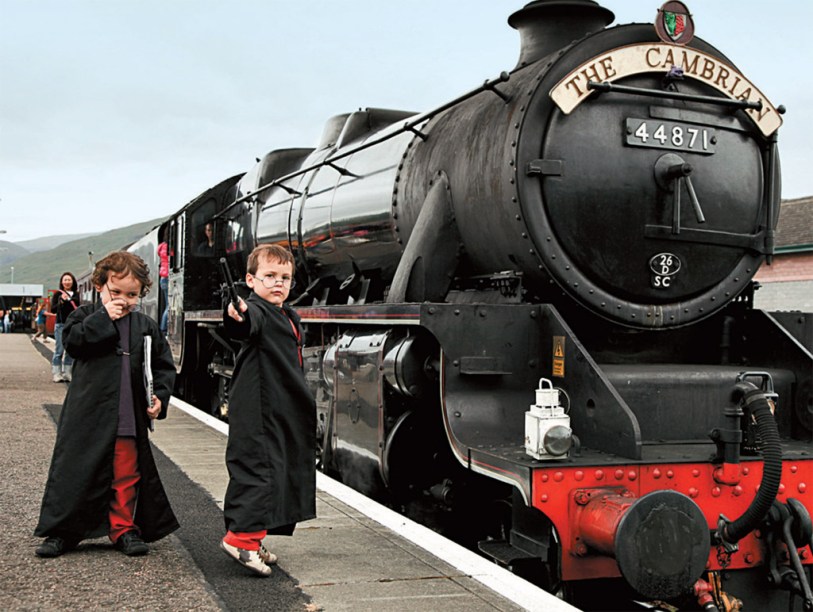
{"x": 342, "y": 560}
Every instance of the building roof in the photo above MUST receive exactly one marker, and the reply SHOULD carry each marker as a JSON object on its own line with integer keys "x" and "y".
{"x": 18, "y": 290}
{"x": 795, "y": 227}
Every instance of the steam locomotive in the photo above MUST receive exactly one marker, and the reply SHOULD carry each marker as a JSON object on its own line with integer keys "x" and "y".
{"x": 530, "y": 318}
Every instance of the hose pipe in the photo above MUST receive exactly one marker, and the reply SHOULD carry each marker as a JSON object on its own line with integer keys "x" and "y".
{"x": 756, "y": 403}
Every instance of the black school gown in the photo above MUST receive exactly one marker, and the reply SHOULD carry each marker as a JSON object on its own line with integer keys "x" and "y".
{"x": 77, "y": 494}
{"x": 271, "y": 453}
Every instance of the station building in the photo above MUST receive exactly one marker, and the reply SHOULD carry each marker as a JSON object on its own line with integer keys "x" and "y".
{"x": 787, "y": 284}
{"x": 20, "y": 299}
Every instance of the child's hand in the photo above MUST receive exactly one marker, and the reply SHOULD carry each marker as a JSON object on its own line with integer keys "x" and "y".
{"x": 236, "y": 315}
{"x": 154, "y": 410}
{"x": 116, "y": 308}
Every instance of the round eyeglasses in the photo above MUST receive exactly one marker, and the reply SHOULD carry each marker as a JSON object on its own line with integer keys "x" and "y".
{"x": 131, "y": 307}
{"x": 270, "y": 281}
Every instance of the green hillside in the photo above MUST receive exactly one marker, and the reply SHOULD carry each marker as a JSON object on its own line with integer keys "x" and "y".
{"x": 46, "y": 267}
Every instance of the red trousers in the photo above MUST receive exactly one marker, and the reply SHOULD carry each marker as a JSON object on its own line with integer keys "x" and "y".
{"x": 247, "y": 540}
{"x": 125, "y": 487}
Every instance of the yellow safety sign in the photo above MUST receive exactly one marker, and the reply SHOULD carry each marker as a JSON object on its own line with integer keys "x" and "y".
{"x": 559, "y": 356}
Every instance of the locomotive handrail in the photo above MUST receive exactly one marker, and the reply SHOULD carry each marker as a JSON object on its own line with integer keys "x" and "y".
{"x": 408, "y": 126}
{"x": 674, "y": 95}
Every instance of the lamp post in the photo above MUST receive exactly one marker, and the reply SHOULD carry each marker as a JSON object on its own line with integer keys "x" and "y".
{"x": 12, "y": 275}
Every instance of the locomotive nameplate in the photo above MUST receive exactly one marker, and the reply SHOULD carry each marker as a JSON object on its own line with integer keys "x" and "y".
{"x": 670, "y": 135}
{"x": 659, "y": 58}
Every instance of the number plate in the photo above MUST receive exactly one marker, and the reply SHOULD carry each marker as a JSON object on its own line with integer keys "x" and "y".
{"x": 670, "y": 135}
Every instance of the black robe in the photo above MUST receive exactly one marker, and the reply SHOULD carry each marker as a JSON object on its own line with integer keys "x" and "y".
{"x": 271, "y": 453}
{"x": 77, "y": 495}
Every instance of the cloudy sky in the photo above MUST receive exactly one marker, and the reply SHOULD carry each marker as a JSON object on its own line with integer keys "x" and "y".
{"x": 114, "y": 112}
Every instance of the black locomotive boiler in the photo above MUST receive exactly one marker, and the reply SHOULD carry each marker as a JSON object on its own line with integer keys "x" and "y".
{"x": 530, "y": 316}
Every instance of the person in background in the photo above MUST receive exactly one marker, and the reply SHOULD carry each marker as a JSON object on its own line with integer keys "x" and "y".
{"x": 40, "y": 321}
{"x": 103, "y": 479}
{"x": 272, "y": 416}
{"x": 207, "y": 247}
{"x": 163, "y": 280}
{"x": 7, "y": 322}
{"x": 63, "y": 302}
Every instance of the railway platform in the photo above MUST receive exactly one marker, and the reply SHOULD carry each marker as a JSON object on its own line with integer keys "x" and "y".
{"x": 356, "y": 555}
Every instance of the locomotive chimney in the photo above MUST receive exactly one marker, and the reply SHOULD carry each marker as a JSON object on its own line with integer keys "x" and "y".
{"x": 546, "y": 26}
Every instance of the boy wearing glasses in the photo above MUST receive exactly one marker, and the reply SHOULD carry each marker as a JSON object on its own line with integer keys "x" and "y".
{"x": 103, "y": 480}
{"x": 272, "y": 416}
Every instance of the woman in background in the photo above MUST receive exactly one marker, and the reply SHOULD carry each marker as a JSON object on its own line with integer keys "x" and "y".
{"x": 163, "y": 281}
{"x": 64, "y": 301}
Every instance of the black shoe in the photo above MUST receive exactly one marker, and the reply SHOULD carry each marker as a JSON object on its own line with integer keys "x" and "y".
{"x": 131, "y": 544}
{"x": 54, "y": 546}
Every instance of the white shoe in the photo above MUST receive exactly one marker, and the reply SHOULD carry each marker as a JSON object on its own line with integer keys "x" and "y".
{"x": 67, "y": 377}
{"x": 266, "y": 555}
{"x": 57, "y": 377}
{"x": 247, "y": 558}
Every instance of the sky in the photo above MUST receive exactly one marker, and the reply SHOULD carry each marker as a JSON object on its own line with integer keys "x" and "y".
{"x": 115, "y": 112}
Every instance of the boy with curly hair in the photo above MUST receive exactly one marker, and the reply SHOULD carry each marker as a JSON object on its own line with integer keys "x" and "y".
{"x": 103, "y": 479}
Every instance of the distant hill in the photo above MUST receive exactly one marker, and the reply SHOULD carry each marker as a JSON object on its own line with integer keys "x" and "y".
{"x": 46, "y": 243}
{"x": 45, "y": 267}
{"x": 9, "y": 253}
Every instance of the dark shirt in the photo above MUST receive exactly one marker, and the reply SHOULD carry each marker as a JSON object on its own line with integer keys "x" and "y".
{"x": 127, "y": 426}
{"x": 205, "y": 249}
{"x": 63, "y": 308}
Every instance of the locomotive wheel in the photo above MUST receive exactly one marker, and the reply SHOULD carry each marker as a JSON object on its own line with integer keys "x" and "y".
{"x": 219, "y": 401}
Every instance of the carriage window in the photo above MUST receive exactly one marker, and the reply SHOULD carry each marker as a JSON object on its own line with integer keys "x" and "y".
{"x": 236, "y": 233}
{"x": 177, "y": 246}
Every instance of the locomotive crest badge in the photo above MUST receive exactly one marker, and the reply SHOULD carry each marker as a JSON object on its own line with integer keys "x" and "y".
{"x": 674, "y": 23}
